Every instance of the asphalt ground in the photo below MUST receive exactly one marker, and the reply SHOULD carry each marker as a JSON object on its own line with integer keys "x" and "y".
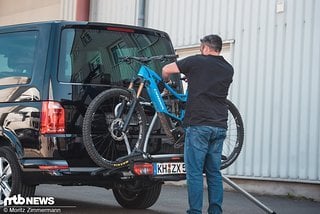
{"x": 173, "y": 199}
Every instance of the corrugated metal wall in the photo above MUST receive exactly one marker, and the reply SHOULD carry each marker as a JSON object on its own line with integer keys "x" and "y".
{"x": 113, "y": 11}
{"x": 67, "y": 10}
{"x": 277, "y": 74}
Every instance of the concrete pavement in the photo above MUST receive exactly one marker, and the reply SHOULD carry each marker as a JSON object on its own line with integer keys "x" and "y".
{"x": 173, "y": 199}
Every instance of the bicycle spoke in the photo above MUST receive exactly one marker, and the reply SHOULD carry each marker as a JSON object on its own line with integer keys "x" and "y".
{"x": 99, "y": 143}
{"x": 111, "y": 148}
{"x": 105, "y": 137}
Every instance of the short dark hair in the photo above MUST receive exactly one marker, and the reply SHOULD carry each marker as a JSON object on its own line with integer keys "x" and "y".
{"x": 212, "y": 41}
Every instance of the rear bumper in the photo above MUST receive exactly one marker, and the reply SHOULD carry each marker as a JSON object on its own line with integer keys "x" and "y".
{"x": 152, "y": 172}
{"x": 48, "y": 171}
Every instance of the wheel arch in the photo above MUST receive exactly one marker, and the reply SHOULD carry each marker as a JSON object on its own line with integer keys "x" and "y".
{"x": 8, "y": 138}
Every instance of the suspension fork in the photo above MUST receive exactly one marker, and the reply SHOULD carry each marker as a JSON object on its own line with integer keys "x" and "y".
{"x": 134, "y": 103}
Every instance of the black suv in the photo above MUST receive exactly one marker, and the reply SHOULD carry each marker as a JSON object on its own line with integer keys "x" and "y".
{"x": 49, "y": 74}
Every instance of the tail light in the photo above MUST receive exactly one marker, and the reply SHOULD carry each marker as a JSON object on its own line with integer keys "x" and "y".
{"x": 143, "y": 168}
{"x": 54, "y": 167}
{"x": 52, "y": 118}
{"x": 120, "y": 29}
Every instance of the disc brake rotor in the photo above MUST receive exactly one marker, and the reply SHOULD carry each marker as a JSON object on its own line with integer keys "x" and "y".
{"x": 115, "y": 129}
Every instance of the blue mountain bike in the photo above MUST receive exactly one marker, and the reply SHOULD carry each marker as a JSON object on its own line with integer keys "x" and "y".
{"x": 120, "y": 122}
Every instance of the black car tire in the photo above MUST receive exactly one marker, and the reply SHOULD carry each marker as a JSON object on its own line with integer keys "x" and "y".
{"x": 142, "y": 199}
{"x": 14, "y": 181}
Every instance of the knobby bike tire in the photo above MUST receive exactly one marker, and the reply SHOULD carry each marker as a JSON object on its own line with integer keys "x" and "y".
{"x": 236, "y": 124}
{"x": 100, "y": 144}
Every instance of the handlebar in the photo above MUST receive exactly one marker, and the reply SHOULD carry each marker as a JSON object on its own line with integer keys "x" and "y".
{"x": 143, "y": 59}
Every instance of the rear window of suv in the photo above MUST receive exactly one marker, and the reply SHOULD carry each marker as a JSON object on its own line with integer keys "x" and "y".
{"x": 17, "y": 57}
{"x": 92, "y": 56}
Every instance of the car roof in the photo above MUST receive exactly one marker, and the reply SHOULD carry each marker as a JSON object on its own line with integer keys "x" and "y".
{"x": 80, "y": 23}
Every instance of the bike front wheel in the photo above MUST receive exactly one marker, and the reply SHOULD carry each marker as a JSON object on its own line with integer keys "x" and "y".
{"x": 233, "y": 142}
{"x": 103, "y": 138}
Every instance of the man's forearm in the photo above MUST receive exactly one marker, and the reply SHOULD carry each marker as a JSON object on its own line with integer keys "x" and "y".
{"x": 169, "y": 69}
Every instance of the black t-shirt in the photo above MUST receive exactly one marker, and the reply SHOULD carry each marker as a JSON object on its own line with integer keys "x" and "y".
{"x": 209, "y": 78}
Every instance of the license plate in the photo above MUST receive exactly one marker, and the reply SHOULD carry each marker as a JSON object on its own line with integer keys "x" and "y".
{"x": 172, "y": 168}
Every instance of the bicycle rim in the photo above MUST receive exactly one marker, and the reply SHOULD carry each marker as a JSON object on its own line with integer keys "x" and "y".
{"x": 104, "y": 142}
{"x": 232, "y": 145}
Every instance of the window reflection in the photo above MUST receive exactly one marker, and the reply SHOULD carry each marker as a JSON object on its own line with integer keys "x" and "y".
{"x": 17, "y": 53}
{"x": 92, "y": 56}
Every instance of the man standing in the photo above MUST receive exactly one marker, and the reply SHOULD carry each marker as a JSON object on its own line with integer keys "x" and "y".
{"x": 209, "y": 77}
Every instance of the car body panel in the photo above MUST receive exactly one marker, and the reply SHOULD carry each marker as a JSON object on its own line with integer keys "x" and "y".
{"x": 21, "y": 105}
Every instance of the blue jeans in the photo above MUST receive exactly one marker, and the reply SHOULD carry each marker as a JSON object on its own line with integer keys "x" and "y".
{"x": 202, "y": 153}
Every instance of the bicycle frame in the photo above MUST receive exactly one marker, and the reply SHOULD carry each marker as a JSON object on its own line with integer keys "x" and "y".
{"x": 151, "y": 78}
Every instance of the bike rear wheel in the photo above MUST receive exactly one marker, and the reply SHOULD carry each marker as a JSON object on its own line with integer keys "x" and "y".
{"x": 102, "y": 135}
{"x": 232, "y": 145}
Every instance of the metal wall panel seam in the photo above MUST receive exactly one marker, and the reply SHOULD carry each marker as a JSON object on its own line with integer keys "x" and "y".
{"x": 148, "y": 10}
{"x": 202, "y": 18}
{"x": 280, "y": 94}
{"x": 229, "y": 19}
{"x": 232, "y": 25}
{"x": 93, "y": 10}
{"x": 287, "y": 93}
{"x": 233, "y": 169}
{"x": 295, "y": 86}
{"x": 304, "y": 139}
{"x": 238, "y": 167}
{"x": 136, "y": 15}
{"x": 188, "y": 20}
{"x": 250, "y": 99}
{"x": 209, "y": 15}
{"x": 309, "y": 60}
{"x": 67, "y": 10}
{"x": 316, "y": 68}
{"x": 169, "y": 19}
{"x": 310, "y": 20}
{"x": 108, "y": 6}
{"x": 298, "y": 86}
{"x": 255, "y": 73}
{"x": 224, "y": 18}
{"x": 234, "y": 19}
{"x": 269, "y": 82}
{"x": 262, "y": 86}
{"x": 215, "y": 23}
{"x": 183, "y": 14}
{"x": 161, "y": 20}
{"x": 175, "y": 16}
{"x": 245, "y": 79}
{"x": 277, "y": 101}
{"x": 194, "y": 21}
{"x": 314, "y": 93}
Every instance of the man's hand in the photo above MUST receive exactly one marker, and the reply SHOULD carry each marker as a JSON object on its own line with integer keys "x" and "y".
{"x": 169, "y": 69}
